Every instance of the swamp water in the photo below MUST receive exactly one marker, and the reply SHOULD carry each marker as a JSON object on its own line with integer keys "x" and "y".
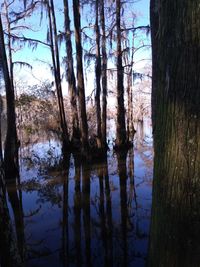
{"x": 70, "y": 213}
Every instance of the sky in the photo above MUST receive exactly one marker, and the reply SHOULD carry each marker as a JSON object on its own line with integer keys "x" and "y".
{"x": 37, "y": 57}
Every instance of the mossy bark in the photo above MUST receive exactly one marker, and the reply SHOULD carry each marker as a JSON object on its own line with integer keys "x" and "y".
{"x": 175, "y": 227}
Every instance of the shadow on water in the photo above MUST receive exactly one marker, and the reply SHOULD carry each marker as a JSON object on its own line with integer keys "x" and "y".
{"x": 71, "y": 213}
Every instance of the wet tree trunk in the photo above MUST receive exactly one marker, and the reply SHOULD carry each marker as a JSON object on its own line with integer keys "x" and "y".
{"x": 11, "y": 143}
{"x": 80, "y": 77}
{"x": 56, "y": 68}
{"x": 86, "y": 212}
{"x": 122, "y": 172}
{"x": 102, "y": 216}
{"x": 9, "y": 254}
{"x": 103, "y": 78}
{"x": 71, "y": 76}
{"x": 98, "y": 76}
{"x": 18, "y": 218}
{"x": 109, "y": 227}
{"x": 175, "y": 228}
{"x": 65, "y": 224}
{"x": 77, "y": 211}
{"x": 121, "y": 128}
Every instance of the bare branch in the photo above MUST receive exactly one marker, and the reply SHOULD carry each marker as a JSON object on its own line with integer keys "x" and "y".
{"x": 147, "y": 28}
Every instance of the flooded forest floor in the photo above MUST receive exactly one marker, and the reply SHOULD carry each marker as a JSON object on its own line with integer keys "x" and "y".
{"x": 70, "y": 213}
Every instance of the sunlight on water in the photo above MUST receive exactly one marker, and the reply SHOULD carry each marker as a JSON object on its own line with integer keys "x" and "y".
{"x": 80, "y": 214}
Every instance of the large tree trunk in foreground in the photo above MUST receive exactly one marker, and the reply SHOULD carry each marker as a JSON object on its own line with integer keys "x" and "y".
{"x": 70, "y": 74}
{"x": 11, "y": 143}
{"x": 175, "y": 228}
{"x": 80, "y": 77}
{"x": 121, "y": 128}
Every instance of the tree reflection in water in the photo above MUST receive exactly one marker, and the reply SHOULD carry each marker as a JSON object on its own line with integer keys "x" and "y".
{"x": 80, "y": 214}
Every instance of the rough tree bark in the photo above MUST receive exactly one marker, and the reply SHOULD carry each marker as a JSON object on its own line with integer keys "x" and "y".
{"x": 121, "y": 128}
{"x": 70, "y": 75}
{"x": 11, "y": 143}
{"x": 80, "y": 77}
{"x": 175, "y": 227}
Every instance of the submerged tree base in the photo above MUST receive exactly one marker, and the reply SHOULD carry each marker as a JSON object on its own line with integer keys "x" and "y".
{"x": 123, "y": 147}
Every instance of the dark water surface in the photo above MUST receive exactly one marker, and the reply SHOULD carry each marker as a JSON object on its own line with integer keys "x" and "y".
{"x": 79, "y": 214}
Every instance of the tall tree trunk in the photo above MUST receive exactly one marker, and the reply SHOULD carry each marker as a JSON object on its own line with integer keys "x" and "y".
{"x": 56, "y": 67}
{"x": 80, "y": 77}
{"x": 10, "y": 61}
{"x": 70, "y": 75}
{"x": 121, "y": 128}
{"x": 130, "y": 126}
{"x": 104, "y": 78}
{"x": 98, "y": 76}
{"x": 128, "y": 120}
{"x": 11, "y": 143}
{"x": 175, "y": 227}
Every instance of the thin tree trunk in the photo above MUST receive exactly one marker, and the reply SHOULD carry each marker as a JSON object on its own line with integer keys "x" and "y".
{"x": 10, "y": 61}
{"x": 175, "y": 226}
{"x": 80, "y": 77}
{"x": 56, "y": 67}
{"x": 104, "y": 78}
{"x": 130, "y": 126}
{"x": 121, "y": 128}
{"x": 70, "y": 75}
{"x": 98, "y": 76}
{"x": 11, "y": 144}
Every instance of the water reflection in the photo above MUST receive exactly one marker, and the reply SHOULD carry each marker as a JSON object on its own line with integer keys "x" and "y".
{"x": 15, "y": 199}
{"x": 70, "y": 213}
{"x": 9, "y": 249}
